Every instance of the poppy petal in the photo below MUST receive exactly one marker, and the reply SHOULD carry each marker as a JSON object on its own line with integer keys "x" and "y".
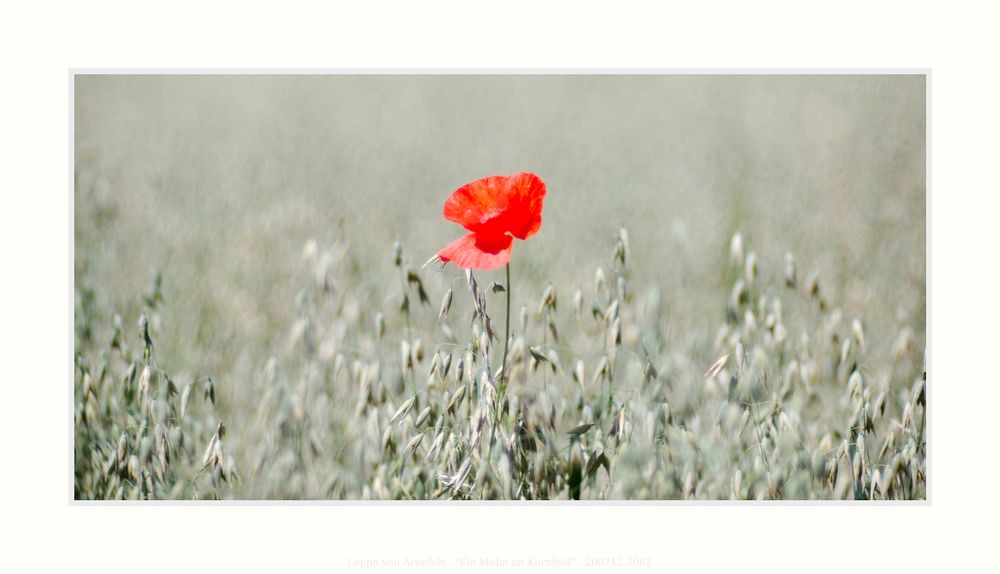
{"x": 498, "y": 204}
{"x": 475, "y": 251}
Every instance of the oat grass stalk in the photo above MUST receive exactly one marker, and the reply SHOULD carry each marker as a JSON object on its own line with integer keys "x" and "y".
{"x": 506, "y": 338}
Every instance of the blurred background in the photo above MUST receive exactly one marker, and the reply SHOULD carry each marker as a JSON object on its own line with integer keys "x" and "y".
{"x": 220, "y": 202}
{"x": 219, "y": 181}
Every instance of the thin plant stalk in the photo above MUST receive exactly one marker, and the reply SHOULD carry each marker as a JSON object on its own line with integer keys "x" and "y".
{"x": 545, "y": 345}
{"x": 506, "y": 339}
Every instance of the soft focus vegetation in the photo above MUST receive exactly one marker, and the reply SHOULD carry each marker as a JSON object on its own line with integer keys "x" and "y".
{"x": 726, "y": 299}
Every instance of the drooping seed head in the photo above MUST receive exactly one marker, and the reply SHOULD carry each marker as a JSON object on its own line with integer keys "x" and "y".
{"x": 751, "y": 268}
{"x": 403, "y": 410}
{"x": 600, "y": 281}
{"x": 445, "y": 304}
{"x": 406, "y": 357}
{"x": 790, "y": 276}
{"x": 397, "y": 254}
{"x": 578, "y": 374}
{"x": 739, "y": 295}
{"x": 423, "y": 416}
{"x": 736, "y": 250}
{"x": 859, "y": 333}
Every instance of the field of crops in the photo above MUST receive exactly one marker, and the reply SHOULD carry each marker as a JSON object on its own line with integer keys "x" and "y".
{"x": 725, "y": 300}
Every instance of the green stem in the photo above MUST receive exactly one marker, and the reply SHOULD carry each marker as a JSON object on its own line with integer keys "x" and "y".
{"x": 506, "y": 339}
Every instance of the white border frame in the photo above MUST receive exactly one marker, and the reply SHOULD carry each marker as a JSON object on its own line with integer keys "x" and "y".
{"x": 74, "y": 72}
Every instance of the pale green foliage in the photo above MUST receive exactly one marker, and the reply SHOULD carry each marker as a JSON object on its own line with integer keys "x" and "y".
{"x": 597, "y": 405}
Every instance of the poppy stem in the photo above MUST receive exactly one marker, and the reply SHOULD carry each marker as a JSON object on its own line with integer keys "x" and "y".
{"x": 506, "y": 338}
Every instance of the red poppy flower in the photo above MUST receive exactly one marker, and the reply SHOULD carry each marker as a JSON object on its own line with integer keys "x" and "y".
{"x": 495, "y": 210}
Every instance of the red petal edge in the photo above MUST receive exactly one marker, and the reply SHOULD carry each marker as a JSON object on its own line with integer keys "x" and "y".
{"x": 474, "y": 251}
